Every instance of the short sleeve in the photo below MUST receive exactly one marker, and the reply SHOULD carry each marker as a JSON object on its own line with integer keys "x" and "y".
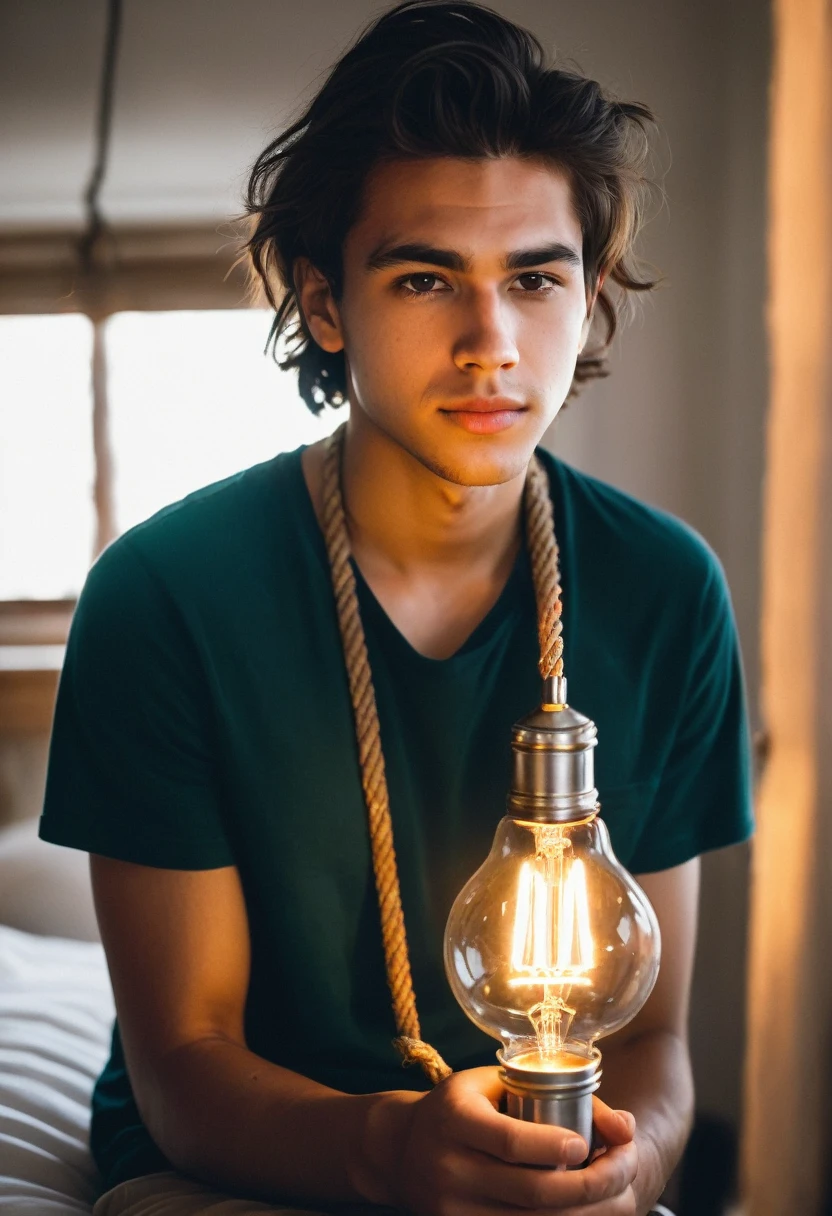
{"x": 132, "y": 764}
{"x": 704, "y": 796}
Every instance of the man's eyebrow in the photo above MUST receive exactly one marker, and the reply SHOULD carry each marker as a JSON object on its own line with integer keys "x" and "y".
{"x": 451, "y": 259}
{"x": 556, "y": 252}
{"x": 415, "y": 251}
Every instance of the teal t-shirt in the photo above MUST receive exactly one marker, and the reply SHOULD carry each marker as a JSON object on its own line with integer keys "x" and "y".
{"x": 203, "y": 720}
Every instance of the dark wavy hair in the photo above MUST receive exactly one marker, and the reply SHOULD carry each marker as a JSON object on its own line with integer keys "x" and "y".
{"x": 434, "y": 78}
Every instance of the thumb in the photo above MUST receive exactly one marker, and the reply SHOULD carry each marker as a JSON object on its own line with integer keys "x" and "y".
{"x": 613, "y": 1126}
{"x": 479, "y": 1083}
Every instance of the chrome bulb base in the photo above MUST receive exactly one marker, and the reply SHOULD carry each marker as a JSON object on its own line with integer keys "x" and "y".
{"x": 558, "y": 1092}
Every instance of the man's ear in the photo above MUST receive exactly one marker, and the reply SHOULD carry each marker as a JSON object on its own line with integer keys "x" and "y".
{"x": 318, "y": 306}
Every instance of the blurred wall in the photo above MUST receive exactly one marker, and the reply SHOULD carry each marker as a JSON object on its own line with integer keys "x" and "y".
{"x": 679, "y": 422}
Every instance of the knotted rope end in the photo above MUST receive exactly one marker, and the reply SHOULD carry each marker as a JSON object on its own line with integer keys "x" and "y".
{"x": 416, "y": 1051}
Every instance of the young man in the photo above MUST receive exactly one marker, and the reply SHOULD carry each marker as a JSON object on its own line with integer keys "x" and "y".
{"x": 435, "y": 234}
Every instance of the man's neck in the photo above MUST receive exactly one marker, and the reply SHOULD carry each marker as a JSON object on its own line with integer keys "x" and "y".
{"x": 406, "y": 518}
{"x": 436, "y": 555}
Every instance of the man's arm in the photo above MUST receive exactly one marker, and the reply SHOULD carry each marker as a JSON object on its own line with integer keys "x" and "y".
{"x": 178, "y": 950}
{"x": 646, "y": 1065}
{"x": 177, "y": 945}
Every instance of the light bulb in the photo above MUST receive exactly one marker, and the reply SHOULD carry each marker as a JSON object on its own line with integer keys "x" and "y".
{"x": 552, "y": 944}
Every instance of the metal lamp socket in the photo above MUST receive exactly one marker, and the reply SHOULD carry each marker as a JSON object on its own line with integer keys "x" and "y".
{"x": 553, "y": 776}
{"x": 560, "y": 1098}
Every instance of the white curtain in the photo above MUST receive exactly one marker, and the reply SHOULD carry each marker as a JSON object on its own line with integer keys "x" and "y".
{"x": 788, "y": 1100}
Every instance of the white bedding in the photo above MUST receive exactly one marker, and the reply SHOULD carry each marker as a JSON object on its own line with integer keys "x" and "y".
{"x": 56, "y": 1013}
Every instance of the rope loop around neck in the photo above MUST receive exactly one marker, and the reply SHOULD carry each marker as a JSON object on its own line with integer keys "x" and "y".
{"x": 543, "y": 553}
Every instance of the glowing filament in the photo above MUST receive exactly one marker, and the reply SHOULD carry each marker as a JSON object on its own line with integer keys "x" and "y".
{"x": 552, "y": 939}
{"x": 522, "y": 917}
{"x": 541, "y": 923}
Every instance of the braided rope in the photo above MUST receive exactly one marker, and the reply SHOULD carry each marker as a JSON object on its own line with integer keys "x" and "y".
{"x": 543, "y": 552}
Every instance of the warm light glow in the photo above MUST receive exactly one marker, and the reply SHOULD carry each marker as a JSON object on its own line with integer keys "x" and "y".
{"x": 585, "y": 946}
{"x": 522, "y": 916}
{"x": 565, "y": 897}
{"x": 551, "y": 944}
{"x": 541, "y": 924}
{"x": 552, "y": 937}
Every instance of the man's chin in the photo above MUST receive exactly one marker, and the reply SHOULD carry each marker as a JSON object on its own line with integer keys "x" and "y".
{"x": 456, "y": 455}
{"x": 479, "y": 460}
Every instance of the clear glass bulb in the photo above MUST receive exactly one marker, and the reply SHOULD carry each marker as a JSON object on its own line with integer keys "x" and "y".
{"x": 551, "y": 944}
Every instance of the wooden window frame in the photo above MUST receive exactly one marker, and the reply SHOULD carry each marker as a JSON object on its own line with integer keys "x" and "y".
{"x": 141, "y": 269}
{"x": 159, "y": 269}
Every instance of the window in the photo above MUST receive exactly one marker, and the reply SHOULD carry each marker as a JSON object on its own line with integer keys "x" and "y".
{"x": 47, "y": 519}
{"x": 191, "y": 398}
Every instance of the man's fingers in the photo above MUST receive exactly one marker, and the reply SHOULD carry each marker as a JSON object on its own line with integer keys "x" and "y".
{"x": 519, "y": 1187}
{"x": 622, "y": 1205}
{"x": 474, "y": 1123}
{"x": 483, "y": 1166}
{"x": 612, "y": 1126}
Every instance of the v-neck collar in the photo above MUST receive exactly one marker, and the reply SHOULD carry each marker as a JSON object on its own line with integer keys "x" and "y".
{"x": 510, "y": 602}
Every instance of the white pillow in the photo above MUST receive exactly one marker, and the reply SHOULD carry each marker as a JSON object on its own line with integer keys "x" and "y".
{"x": 56, "y": 1014}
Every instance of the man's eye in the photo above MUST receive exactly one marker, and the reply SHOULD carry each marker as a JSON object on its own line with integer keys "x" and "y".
{"x": 535, "y": 280}
{"x": 420, "y": 284}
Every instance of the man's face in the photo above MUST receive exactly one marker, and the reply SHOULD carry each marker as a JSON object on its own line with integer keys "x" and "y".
{"x": 463, "y": 310}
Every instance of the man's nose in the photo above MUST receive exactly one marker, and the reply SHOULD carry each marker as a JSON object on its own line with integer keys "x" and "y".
{"x": 487, "y": 341}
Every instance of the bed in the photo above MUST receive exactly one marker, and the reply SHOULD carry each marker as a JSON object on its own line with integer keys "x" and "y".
{"x": 56, "y": 1012}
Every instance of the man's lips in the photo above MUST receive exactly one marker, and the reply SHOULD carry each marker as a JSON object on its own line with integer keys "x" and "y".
{"x": 484, "y": 405}
{"x": 485, "y": 415}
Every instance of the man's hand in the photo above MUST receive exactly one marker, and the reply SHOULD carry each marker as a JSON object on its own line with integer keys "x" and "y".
{"x": 450, "y": 1152}
{"x": 177, "y": 944}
